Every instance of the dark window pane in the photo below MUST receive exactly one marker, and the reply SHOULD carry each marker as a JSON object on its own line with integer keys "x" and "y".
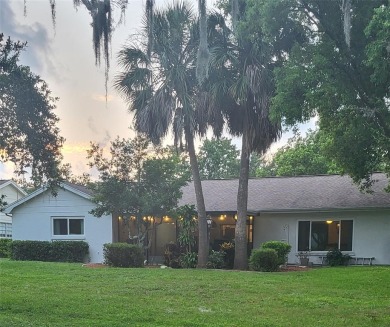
{"x": 60, "y": 226}
{"x": 346, "y": 229}
{"x": 303, "y": 235}
{"x": 319, "y": 236}
{"x": 76, "y": 226}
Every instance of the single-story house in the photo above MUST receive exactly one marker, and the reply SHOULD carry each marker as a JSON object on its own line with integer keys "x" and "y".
{"x": 42, "y": 217}
{"x": 10, "y": 192}
{"x": 311, "y": 213}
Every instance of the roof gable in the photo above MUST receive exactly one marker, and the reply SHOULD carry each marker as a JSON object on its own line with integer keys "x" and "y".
{"x": 9, "y": 182}
{"x": 76, "y": 189}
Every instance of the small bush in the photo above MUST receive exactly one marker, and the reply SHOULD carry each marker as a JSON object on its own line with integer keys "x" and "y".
{"x": 228, "y": 248}
{"x": 337, "y": 258}
{"x": 57, "y": 251}
{"x": 172, "y": 255}
{"x": 189, "y": 260}
{"x": 216, "y": 260}
{"x": 123, "y": 255}
{"x": 5, "y": 247}
{"x": 282, "y": 250}
{"x": 264, "y": 260}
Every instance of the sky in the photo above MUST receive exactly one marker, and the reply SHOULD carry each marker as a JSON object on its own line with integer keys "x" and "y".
{"x": 63, "y": 57}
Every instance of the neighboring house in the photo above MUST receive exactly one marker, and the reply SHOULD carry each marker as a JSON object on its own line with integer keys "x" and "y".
{"x": 11, "y": 192}
{"x": 315, "y": 213}
{"x": 41, "y": 216}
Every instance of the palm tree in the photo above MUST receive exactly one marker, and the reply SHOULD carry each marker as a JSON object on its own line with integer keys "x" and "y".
{"x": 240, "y": 88}
{"x": 159, "y": 84}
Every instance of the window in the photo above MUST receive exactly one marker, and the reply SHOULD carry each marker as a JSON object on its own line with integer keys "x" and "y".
{"x": 5, "y": 230}
{"x": 68, "y": 226}
{"x": 325, "y": 235}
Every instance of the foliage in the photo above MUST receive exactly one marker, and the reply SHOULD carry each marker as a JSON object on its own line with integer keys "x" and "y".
{"x": 228, "y": 249}
{"x": 5, "y": 247}
{"x": 31, "y": 250}
{"x": 218, "y": 159}
{"x": 345, "y": 84}
{"x": 264, "y": 259}
{"x": 301, "y": 156}
{"x": 240, "y": 87}
{"x": 159, "y": 84}
{"x": 69, "y": 251}
{"x": 216, "y": 260}
{"x": 172, "y": 254}
{"x": 188, "y": 260}
{"x": 282, "y": 250}
{"x": 123, "y": 255}
{"x": 136, "y": 181}
{"x": 186, "y": 217}
{"x": 29, "y": 136}
{"x": 337, "y": 258}
{"x": 121, "y": 297}
{"x": 56, "y": 251}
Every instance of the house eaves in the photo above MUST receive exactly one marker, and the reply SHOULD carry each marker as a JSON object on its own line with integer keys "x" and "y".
{"x": 76, "y": 189}
{"x": 5, "y": 183}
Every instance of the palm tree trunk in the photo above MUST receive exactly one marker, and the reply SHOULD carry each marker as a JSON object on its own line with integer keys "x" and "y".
{"x": 241, "y": 243}
{"x": 203, "y": 243}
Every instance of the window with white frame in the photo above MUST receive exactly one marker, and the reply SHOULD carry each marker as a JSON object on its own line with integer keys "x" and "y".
{"x": 325, "y": 235}
{"x": 5, "y": 230}
{"x": 68, "y": 226}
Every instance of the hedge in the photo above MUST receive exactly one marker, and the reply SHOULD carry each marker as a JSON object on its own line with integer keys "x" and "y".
{"x": 56, "y": 251}
{"x": 5, "y": 247}
{"x": 123, "y": 255}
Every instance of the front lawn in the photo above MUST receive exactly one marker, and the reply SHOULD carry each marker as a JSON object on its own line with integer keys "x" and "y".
{"x": 60, "y": 294}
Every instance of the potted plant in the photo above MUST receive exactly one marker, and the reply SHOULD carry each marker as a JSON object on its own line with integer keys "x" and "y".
{"x": 303, "y": 257}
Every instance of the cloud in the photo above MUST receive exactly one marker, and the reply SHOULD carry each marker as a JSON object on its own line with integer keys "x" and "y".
{"x": 92, "y": 126}
{"x": 38, "y": 53}
{"x": 102, "y": 97}
{"x": 75, "y": 148}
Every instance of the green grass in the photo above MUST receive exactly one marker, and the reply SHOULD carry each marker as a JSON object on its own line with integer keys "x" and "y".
{"x": 60, "y": 294}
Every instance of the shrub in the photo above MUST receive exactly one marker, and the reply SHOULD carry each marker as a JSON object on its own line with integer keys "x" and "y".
{"x": 216, "y": 260}
{"x": 123, "y": 255}
{"x": 337, "y": 258}
{"x": 57, "y": 251}
{"x": 264, "y": 259}
{"x": 31, "y": 250}
{"x": 69, "y": 251}
{"x": 188, "y": 260}
{"x": 172, "y": 255}
{"x": 5, "y": 247}
{"x": 228, "y": 249}
{"x": 282, "y": 250}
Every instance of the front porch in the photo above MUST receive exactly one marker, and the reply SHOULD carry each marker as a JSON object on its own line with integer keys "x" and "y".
{"x": 162, "y": 231}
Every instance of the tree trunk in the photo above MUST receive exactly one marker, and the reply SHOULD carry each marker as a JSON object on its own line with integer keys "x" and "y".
{"x": 203, "y": 243}
{"x": 241, "y": 242}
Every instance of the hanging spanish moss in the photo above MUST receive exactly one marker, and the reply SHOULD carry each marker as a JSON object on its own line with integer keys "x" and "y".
{"x": 346, "y": 9}
{"x": 53, "y": 12}
{"x": 202, "y": 64}
{"x": 102, "y": 22}
{"x": 149, "y": 22}
{"x": 235, "y": 10}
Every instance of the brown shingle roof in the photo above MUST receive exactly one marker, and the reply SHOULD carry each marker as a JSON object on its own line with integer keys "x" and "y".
{"x": 291, "y": 194}
{"x": 80, "y": 188}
